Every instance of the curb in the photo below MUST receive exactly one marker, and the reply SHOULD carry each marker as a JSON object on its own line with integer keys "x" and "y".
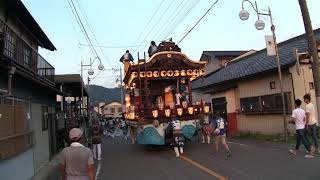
{"x": 50, "y": 171}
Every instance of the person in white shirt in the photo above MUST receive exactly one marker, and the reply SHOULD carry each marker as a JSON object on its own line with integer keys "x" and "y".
{"x": 311, "y": 121}
{"x": 298, "y": 118}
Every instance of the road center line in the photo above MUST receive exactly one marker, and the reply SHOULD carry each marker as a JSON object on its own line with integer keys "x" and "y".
{"x": 203, "y": 168}
{"x": 255, "y": 147}
{"x": 98, "y": 170}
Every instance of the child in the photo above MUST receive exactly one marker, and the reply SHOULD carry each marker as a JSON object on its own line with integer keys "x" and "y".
{"x": 220, "y": 132}
{"x": 298, "y": 118}
{"x": 207, "y": 129}
{"x": 178, "y": 139}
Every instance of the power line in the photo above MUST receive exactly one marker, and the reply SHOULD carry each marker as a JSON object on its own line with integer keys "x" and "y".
{"x": 177, "y": 23}
{"x": 92, "y": 31}
{"x": 114, "y": 47}
{"x": 169, "y": 20}
{"x": 127, "y": 46}
{"x": 82, "y": 26}
{"x": 153, "y": 27}
{"x": 198, "y": 21}
{"x": 149, "y": 21}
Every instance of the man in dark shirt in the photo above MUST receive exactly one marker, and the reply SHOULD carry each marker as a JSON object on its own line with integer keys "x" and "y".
{"x": 126, "y": 57}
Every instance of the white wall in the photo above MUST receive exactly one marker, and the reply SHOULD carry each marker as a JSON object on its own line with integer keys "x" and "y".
{"x": 17, "y": 168}
{"x": 41, "y": 147}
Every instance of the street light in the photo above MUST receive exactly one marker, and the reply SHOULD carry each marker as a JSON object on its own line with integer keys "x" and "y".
{"x": 259, "y": 24}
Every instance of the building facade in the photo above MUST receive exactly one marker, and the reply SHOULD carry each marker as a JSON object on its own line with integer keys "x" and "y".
{"x": 112, "y": 110}
{"x": 27, "y": 94}
{"x": 246, "y": 90}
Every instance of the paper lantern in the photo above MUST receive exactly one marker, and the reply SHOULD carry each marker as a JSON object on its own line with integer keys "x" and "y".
{"x": 179, "y": 111}
{"x": 142, "y": 74}
{"x": 201, "y": 72}
{"x": 183, "y": 73}
{"x": 176, "y": 73}
{"x": 163, "y": 73}
{"x": 156, "y": 74}
{"x": 170, "y": 73}
{"x": 189, "y": 72}
{"x": 190, "y": 110}
{"x": 149, "y": 74}
{"x": 206, "y": 109}
{"x": 167, "y": 112}
{"x": 155, "y": 113}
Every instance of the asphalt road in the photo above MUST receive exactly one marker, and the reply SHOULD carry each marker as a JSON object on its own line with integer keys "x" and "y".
{"x": 249, "y": 161}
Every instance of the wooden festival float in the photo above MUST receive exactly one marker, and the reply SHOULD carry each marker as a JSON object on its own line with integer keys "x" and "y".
{"x": 158, "y": 90}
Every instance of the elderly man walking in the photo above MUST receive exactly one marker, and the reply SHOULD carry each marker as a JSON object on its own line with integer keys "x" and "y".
{"x": 76, "y": 160}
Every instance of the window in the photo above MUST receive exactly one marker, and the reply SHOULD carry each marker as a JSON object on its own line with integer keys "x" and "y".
{"x": 45, "y": 117}
{"x": 273, "y": 103}
{"x": 266, "y": 104}
{"x": 112, "y": 110}
{"x": 272, "y": 85}
{"x": 119, "y": 110}
{"x": 251, "y": 104}
{"x": 311, "y": 85}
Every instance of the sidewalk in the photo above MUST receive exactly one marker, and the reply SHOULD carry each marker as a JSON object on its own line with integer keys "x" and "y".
{"x": 50, "y": 171}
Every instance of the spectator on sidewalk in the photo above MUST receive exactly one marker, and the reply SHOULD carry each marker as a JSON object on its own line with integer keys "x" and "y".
{"x": 96, "y": 132}
{"x": 298, "y": 118}
{"x": 311, "y": 121}
{"x": 76, "y": 161}
{"x": 220, "y": 132}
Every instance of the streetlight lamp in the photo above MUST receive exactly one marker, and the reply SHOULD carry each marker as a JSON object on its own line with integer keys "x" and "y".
{"x": 90, "y": 73}
{"x": 259, "y": 24}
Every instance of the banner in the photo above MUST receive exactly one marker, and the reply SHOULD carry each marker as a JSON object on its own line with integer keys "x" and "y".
{"x": 270, "y": 45}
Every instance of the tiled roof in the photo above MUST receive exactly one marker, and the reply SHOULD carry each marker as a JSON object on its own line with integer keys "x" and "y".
{"x": 256, "y": 63}
{"x": 26, "y": 18}
{"x": 221, "y": 53}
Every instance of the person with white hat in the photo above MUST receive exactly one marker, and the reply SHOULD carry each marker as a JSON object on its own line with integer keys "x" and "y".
{"x": 76, "y": 161}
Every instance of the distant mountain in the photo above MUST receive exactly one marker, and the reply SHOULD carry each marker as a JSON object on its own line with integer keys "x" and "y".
{"x": 102, "y": 94}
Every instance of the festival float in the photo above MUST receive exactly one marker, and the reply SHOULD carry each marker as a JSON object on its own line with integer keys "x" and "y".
{"x": 158, "y": 91}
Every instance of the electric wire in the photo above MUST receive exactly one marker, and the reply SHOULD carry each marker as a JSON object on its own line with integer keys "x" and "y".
{"x": 198, "y": 22}
{"x": 92, "y": 31}
{"x": 153, "y": 27}
{"x": 177, "y": 23}
{"x": 169, "y": 20}
{"x": 145, "y": 27}
{"x": 82, "y": 26}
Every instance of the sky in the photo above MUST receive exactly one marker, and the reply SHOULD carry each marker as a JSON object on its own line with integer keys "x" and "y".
{"x": 118, "y": 25}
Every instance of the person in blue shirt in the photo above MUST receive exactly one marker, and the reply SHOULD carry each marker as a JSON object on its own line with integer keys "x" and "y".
{"x": 220, "y": 131}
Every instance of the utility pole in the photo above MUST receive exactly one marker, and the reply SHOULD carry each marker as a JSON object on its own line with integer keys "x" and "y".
{"x": 121, "y": 89}
{"x": 312, "y": 50}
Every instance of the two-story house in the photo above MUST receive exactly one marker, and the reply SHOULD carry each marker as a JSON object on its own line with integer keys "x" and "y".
{"x": 27, "y": 94}
{"x": 112, "y": 109}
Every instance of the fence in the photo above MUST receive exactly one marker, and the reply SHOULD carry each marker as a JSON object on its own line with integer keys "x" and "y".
{"x": 15, "y": 135}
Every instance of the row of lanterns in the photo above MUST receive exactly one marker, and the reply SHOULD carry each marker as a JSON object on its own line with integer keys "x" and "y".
{"x": 169, "y": 73}
{"x": 191, "y": 110}
{"x": 155, "y": 113}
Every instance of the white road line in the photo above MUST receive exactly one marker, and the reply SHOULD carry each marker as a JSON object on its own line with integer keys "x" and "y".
{"x": 255, "y": 147}
{"x": 98, "y": 170}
